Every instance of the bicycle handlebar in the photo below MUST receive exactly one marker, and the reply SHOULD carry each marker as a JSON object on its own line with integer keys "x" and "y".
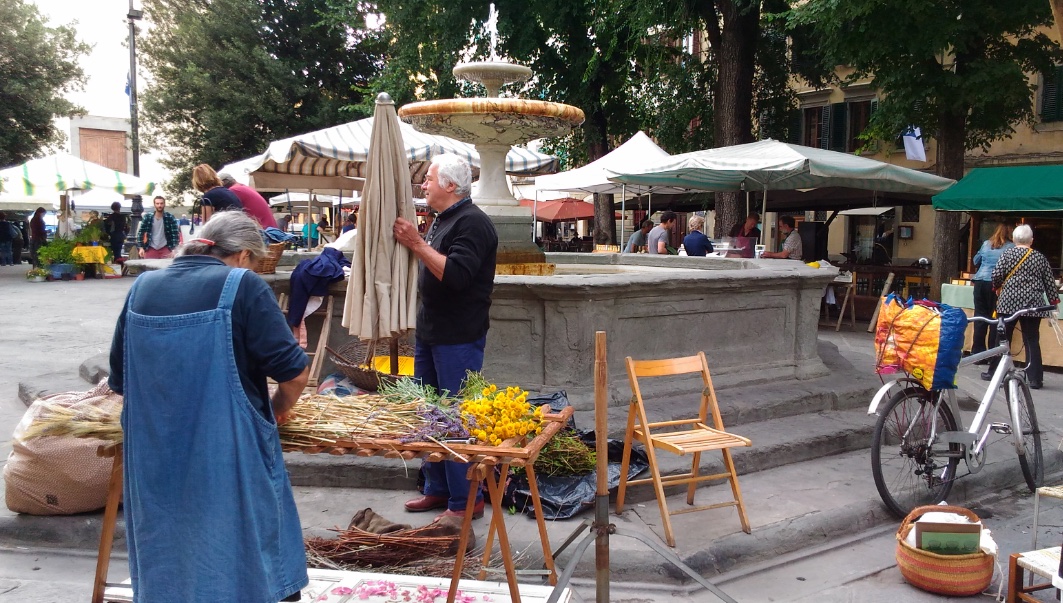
{"x": 1013, "y": 317}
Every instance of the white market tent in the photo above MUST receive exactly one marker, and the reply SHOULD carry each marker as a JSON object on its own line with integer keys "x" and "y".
{"x": 334, "y": 159}
{"x": 772, "y": 165}
{"x": 41, "y": 182}
{"x": 594, "y": 177}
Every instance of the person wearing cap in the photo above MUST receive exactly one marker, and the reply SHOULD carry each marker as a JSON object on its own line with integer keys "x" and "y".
{"x": 255, "y": 205}
{"x": 209, "y": 510}
{"x": 216, "y": 198}
{"x": 116, "y": 226}
{"x": 159, "y": 233}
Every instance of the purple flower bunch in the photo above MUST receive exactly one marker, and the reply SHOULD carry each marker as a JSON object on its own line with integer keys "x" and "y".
{"x": 440, "y": 422}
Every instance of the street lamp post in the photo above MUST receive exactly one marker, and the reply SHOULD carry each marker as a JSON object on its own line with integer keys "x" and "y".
{"x": 133, "y": 16}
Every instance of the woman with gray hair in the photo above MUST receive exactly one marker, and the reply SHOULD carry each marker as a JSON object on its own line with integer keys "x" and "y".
{"x": 1024, "y": 279}
{"x": 696, "y": 243}
{"x": 191, "y": 353}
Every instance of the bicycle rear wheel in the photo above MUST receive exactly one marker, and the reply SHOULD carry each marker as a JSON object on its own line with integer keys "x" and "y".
{"x": 908, "y": 472}
{"x": 1026, "y": 432}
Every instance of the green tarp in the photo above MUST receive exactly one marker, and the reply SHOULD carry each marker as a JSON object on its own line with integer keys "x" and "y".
{"x": 1034, "y": 188}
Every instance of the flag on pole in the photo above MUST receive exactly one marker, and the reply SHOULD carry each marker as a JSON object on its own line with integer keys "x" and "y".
{"x": 913, "y": 145}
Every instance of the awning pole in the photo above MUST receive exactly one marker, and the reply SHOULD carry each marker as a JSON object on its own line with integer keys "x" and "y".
{"x": 763, "y": 213}
{"x": 623, "y": 212}
{"x": 535, "y": 213}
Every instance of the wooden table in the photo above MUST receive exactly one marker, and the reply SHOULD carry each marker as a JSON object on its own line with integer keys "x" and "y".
{"x": 485, "y": 459}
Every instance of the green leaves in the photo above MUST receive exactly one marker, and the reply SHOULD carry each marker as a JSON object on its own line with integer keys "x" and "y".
{"x": 38, "y": 66}
{"x": 230, "y": 76}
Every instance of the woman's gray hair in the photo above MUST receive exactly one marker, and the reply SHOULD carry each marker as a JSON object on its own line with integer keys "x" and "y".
{"x": 1023, "y": 235}
{"x": 454, "y": 170}
{"x": 227, "y": 233}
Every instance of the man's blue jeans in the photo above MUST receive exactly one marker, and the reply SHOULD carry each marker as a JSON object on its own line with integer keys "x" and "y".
{"x": 444, "y": 367}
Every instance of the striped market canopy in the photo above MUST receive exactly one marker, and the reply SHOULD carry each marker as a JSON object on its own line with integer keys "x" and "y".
{"x": 335, "y": 159}
{"x": 48, "y": 177}
{"x": 773, "y": 165}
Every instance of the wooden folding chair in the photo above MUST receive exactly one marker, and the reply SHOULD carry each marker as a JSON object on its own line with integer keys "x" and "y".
{"x": 696, "y": 438}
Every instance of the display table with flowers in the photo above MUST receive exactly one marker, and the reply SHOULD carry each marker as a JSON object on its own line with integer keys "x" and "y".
{"x": 494, "y": 429}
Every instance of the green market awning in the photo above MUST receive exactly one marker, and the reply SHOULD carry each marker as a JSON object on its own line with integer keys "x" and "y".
{"x": 1033, "y": 188}
{"x": 49, "y": 177}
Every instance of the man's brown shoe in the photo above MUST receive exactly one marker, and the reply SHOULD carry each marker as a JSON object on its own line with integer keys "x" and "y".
{"x": 477, "y": 512}
{"x": 426, "y": 503}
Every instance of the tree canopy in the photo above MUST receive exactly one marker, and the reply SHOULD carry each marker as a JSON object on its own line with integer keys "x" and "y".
{"x": 230, "y": 76}
{"x": 38, "y": 67}
{"x": 959, "y": 71}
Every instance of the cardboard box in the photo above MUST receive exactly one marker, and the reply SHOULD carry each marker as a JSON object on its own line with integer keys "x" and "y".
{"x": 948, "y": 538}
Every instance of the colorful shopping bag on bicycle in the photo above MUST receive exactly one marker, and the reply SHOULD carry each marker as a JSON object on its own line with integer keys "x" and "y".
{"x": 923, "y": 339}
{"x": 887, "y": 360}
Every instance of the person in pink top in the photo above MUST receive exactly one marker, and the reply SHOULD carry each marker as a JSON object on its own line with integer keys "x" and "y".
{"x": 254, "y": 204}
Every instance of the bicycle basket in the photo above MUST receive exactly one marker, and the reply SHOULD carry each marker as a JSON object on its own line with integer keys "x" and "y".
{"x": 923, "y": 339}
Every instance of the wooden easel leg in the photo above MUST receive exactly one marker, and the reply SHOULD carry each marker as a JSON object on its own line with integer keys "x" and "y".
{"x": 544, "y": 538}
{"x": 475, "y": 475}
{"x": 841, "y": 315}
{"x": 110, "y": 519}
{"x": 490, "y": 539}
{"x": 498, "y": 519}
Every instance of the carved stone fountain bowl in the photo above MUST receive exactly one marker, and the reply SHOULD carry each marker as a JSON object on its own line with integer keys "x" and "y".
{"x": 497, "y": 121}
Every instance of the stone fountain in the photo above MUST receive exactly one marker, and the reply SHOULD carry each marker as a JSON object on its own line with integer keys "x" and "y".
{"x": 493, "y": 125}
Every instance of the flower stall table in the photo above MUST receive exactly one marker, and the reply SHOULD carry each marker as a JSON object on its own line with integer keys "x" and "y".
{"x": 512, "y": 453}
{"x": 90, "y": 254}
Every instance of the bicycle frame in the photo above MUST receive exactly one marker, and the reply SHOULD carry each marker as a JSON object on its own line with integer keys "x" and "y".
{"x": 974, "y": 438}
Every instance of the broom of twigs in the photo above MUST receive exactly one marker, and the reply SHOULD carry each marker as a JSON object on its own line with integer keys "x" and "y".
{"x": 354, "y": 546}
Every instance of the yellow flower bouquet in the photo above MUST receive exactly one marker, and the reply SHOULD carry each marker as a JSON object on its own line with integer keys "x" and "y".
{"x": 493, "y": 415}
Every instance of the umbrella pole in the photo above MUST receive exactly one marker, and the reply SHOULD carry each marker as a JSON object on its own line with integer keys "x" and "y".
{"x": 535, "y": 213}
{"x": 763, "y": 213}
{"x": 394, "y": 350}
{"x": 623, "y": 213}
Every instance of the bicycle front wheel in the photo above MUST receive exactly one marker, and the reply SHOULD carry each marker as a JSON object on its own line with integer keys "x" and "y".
{"x": 1026, "y": 432}
{"x": 908, "y": 472}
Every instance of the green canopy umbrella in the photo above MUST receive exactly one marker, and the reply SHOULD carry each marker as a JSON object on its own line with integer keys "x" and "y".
{"x": 1034, "y": 188}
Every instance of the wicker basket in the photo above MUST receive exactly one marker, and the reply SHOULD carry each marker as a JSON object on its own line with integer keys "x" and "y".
{"x": 354, "y": 361}
{"x": 268, "y": 263}
{"x": 953, "y": 575}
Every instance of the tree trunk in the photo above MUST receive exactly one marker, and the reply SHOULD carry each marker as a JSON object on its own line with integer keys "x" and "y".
{"x": 605, "y": 220}
{"x": 950, "y": 150}
{"x": 735, "y": 56}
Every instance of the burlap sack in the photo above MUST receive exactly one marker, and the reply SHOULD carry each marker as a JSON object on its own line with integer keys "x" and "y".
{"x": 59, "y": 475}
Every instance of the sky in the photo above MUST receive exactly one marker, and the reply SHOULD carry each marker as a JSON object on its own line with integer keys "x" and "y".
{"x": 102, "y": 24}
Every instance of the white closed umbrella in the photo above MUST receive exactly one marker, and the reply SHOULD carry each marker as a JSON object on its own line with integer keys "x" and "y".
{"x": 382, "y": 291}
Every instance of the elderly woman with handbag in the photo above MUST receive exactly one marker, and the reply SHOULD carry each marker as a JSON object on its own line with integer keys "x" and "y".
{"x": 1024, "y": 279}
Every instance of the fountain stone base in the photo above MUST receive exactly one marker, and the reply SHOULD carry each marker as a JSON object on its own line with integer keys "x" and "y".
{"x": 517, "y": 255}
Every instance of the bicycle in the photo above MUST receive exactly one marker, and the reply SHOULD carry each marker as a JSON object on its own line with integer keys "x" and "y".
{"x": 919, "y": 436}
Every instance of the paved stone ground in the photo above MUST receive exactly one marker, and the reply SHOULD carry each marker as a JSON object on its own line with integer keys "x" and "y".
{"x": 50, "y": 329}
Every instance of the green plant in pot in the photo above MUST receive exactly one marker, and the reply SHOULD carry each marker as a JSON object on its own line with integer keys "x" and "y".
{"x": 90, "y": 234}
{"x": 58, "y": 252}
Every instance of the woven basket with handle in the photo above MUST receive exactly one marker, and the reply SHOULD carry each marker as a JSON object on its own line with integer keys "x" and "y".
{"x": 954, "y": 575}
{"x": 355, "y": 361}
{"x": 268, "y": 263}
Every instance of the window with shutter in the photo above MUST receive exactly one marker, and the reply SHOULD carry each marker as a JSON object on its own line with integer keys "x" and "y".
{"x": 824, "y": 131}
{"x": 838, "y": 127}
{"x": 813, "y": 126}
{"x": 859, "y": 117}
{"x": 1051, "y": 103}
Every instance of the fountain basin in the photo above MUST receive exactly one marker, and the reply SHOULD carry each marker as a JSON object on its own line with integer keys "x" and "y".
{"x": 492, "y": 121}
{"x": 756, "y": 320}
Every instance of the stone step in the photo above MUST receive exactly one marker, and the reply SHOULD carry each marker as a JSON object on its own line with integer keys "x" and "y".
{"x": 790, "y": 507}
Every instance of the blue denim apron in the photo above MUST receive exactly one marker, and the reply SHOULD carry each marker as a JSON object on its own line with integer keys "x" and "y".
{"x": 208, "y": 506}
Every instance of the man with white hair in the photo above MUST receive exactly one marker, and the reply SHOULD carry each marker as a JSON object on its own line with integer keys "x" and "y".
{"x": 455, "y": 280}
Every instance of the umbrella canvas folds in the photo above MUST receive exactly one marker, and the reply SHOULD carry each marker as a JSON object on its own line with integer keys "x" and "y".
{"x": 382, "y": 291}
